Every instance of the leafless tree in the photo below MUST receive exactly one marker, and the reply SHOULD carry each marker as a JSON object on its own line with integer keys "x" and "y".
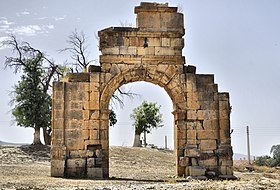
{"x": 78, "y": 49}
{"x": 79, "y": 54}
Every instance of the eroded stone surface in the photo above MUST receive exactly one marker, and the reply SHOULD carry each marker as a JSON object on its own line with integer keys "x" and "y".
{"x": 152, "y": 52}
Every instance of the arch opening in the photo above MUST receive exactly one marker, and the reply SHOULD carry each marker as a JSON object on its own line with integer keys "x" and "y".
{"x": 141, "y": 163}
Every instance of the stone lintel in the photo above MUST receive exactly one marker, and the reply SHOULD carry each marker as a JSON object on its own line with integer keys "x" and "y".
{"x": 78, "y": 77}
{"x": 151, "y": 60}
{"x": 154, "y": 7}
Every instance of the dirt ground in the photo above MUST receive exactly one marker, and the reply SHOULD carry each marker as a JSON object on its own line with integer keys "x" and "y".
{"x": 28, "y": 167}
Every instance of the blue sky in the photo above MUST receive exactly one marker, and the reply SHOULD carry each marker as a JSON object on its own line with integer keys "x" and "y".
{"x": 238, "y": 41}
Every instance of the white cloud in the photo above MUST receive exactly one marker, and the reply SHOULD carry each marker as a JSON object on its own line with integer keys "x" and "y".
{"x": 25, "y": 13}
{"x": 59, "y": 18}
{"x": 1, "y": 40}
{"x": 41, "y": 18}
{"x": 50, "y": 26}
{"x": 5, "y": 21}
{"x": 32, "y": 30}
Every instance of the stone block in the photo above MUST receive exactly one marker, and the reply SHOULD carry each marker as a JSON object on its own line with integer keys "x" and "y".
{"x": 191, "y": 114}
{"x": 196, "y": 171}
{"x": 78, "y": 77}
{"x": 77, "y": 153}
{"x": 193, "y": 152}
{"x": 177, "y": 42}
{"x": 76, "y": 162}
{"x": 94, "y": 114}
{"x": 73, "y": 134}
{"x": 164, "y": 51}
{"x": 95, "y": 173}
{"x": 91, "y": 163}
{"x": 165, "y": 42}
{"x": 85, "y": 134}
{"x": 74, "y": 144}
{"x": 94, "y": 95}
{"x": 58, "y": 134}
{"x": 208, "y": 145}
{"x": 204, "y": 79}
{"x": 86, "y": 114}
{"x": 209, "y": 162}
{"x": 194, "y": 162}
{"x": 58, "y": 152}
{"x": 154, "y": 42}
{"x": 224, "y": 114}
{"x": 224, "y": 124}
{"x": 110, "y": 51}
{"x": 94, "y": 134}
{"x": 57, "y": 168}
{"x": 207, "y": 134}
{"x": 184, "y": 161}
{"x": 91, "y": 105}
{"x": 210, "y": 124}
{"x": 191, "y": 134}
{"x": 146, "y": 51}
{"x": 127, "y": 50}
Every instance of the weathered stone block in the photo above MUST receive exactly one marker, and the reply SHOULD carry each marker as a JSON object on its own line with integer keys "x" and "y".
{"x": 184, "y": 161}
{"x": 95, "y": 173}
{"x": 208, "y": 145}
{"x": 127, "y": 50}
{"x": 209, "y": 162}
{"x": 210, "y": 124}
{"x": 154, "y": 42}
{"x": 207, "y": 134}
{"x": 76, "y": 162}
{"x": 57, "y": 168}
{"x": 91, "y": 163}
{"x": 196, "y": 171}
{"x": 193, "y": 152}
{"x": 192, "y": 114}
{"x": 94, "y": 134}
{"x": 191, "y": 134}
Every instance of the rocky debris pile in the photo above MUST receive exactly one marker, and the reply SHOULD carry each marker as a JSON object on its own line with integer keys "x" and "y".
{"x": 37, "y": 152}
{"x": 13, "y": 154}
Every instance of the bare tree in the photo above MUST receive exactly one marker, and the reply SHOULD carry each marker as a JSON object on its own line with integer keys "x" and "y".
{"x": 78, "y": 49}
{"x": 79, "y": 54}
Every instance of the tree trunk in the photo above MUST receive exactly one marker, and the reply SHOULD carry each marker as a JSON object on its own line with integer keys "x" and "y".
{"x": 137, "y": 142}
{"x": 36, "y": 139}
{"x": 47, "y": 136}
{"x": 145, "y": 139}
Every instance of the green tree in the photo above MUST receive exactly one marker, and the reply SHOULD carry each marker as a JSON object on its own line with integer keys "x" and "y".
{"x": 112, "y": 118}
{"x": 146, "y": 117}
{"x": 275, "y": 151}
{"x": 40, "y": 71}
{"x": 32, "y": 104}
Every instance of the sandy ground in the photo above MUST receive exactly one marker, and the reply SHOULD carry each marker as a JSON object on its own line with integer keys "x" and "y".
{"x": 25, "y": 167}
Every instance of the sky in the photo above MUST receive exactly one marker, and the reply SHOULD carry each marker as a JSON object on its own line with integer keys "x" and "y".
{"x": 237, "y": 41}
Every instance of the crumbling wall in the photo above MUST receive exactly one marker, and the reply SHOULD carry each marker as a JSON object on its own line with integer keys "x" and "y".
{"x": 151, "y": 52}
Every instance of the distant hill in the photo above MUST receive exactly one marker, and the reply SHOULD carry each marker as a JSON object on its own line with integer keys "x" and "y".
{"x": 237, "y": 156}
{"x": 3, "y": 143}
{"x": 8, "y": 143}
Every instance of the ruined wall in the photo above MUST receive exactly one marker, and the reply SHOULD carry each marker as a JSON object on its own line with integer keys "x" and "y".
{"x": 151, "y": 52}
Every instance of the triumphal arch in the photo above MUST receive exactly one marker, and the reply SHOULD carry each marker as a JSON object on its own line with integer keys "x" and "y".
{"x": 151, "y": 52}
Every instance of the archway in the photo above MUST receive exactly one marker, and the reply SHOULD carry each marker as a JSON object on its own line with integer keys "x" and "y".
{"x": 127, "y": 162}
{"x": 169, "y": 83}
{"x": 152, "y": 52}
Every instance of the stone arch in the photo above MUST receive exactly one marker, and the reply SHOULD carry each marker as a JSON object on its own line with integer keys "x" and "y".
{"x": 170, "y": 84}
{"x": 171, "y": 81}
{"x": 151, "y": 52}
